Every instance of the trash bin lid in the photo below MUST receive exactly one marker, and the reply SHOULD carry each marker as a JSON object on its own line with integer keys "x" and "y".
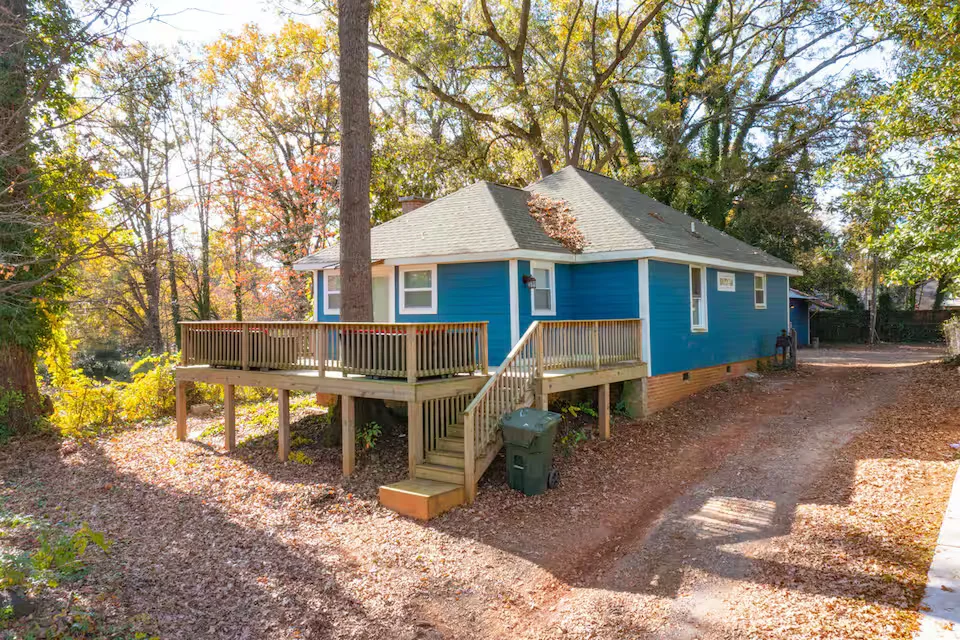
{"x": 524, "y": 425}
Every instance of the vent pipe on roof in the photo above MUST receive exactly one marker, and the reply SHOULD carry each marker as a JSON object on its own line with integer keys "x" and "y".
{"x": 411, "y": 203}
{"x": 693, "y": 227}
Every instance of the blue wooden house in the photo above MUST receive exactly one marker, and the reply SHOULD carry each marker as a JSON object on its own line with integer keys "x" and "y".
{"x": 712, "y": 306}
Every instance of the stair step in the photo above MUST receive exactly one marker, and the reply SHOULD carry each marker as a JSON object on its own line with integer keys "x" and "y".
{"x": 454, "y": 445}
{"x": 439, "y": 472}
{"x": 446, "y": 459}
{"x": 455, "y": 430}
{"x": 422, "y": 499}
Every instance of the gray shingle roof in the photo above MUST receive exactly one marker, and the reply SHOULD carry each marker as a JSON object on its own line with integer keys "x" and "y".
{"x": 487, "y": 217}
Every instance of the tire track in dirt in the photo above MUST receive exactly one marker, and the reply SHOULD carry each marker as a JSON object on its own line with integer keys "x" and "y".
{"x": 634, "y": 545}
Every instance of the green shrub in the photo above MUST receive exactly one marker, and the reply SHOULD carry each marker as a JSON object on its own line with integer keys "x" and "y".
{"x": 58, "y": 556}
{"x": 574, "y": 410}
{"x": 85, "y": 408}
{"x": 571, "y": 440}
{"x": 368, "y": 434}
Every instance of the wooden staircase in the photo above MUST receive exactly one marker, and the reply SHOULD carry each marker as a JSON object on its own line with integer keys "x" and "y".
{"x": 437, "y": 484}
{"x": 447, "y": 460}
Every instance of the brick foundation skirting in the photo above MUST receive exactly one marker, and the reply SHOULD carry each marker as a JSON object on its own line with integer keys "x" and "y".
{"x": 664, "y": 390}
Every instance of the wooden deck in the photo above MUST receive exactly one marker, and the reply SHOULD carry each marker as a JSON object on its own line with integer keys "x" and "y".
{"x": 454, "y": 399}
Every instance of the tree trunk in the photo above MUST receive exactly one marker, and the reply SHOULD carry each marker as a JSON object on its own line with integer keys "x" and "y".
{"x": 171, "y": 264}
{"x": 356, "y": 302}
{"x": 151, "y": 277}
{"x": 872, "y": 339}
{"x": 20, "y": 401}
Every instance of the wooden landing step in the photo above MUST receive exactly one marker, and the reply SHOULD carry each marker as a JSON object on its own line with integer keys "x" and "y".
{"x": 420, "y": 498}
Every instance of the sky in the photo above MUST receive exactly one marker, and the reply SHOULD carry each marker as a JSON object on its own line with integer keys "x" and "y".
{"x": 199, "y": 21}
{"x": 202, "y": 21}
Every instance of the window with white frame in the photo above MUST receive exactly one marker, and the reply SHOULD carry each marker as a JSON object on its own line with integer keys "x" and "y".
{"x": 418, "y": 289}
{"x": 698, "y": 298}
{"x": 331, "y": 293}
{"x": 543, "y": 296}
{"x": 760, "y": 290}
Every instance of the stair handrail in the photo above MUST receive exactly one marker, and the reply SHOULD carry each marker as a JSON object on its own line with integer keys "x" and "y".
{"x": 507, "y": 389}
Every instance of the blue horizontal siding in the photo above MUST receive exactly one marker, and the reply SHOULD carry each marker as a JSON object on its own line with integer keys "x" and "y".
{"x": 588, "y": 291}
{"x": 798, "y": 318}
{"x": 736, "y": 330}
{"x": 605, "y": 291}
{"x": 472, "y": 292}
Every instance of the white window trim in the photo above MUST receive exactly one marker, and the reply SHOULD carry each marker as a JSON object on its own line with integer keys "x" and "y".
{"x": 764, "y": 305}
{"x": 551, "y": 269}
{"x": 327, "y": 311}
{"x": 432, "y": 309}
{"x": 702, "y": 327}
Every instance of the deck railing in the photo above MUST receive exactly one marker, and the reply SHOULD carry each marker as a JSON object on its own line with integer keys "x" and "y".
{"x": 546, "y": 346}
{"x": 575, "y": 344}
{"x": 407, "y": 350}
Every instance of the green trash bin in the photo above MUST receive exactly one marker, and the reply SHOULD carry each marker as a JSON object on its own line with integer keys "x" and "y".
{"x": 528, "y": 436}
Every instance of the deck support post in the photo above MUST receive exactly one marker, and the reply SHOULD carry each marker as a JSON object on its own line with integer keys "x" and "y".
{"x": 283, "y": 437}
{"x": 414, "y": 435}
{"x": 348, "y": 436}
{"x": 229, "y": 418}
{"x": 541, "y": 399}
{"x": 603, "y": 402}
{"x": 181, "y": 411}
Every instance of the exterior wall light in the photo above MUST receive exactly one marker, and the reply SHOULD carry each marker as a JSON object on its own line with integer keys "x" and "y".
{"x": 530, "y": 281}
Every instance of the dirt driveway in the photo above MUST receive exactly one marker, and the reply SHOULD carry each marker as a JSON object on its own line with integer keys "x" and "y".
{"x": 800, "y": 505}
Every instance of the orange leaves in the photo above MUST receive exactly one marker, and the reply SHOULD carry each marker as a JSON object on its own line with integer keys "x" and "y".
{"x": 557, "y": 222}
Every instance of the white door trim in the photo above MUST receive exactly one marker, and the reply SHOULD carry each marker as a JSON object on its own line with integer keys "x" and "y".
{"x": 514, "y": 278}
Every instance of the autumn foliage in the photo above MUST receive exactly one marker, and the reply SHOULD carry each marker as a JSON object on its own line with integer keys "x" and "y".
{"x": 557, "y": 222}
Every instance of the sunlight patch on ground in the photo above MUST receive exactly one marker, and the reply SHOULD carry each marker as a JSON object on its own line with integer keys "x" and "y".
{"x": 724, "y": 516}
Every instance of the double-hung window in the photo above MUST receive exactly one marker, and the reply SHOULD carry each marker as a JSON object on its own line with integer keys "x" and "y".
{"x": 418, "y": 289}
{"x": 331, "y": 293}
{"x": 698, "y": 298}
{"x": 543, "y": 296}
{"x": 760, "y": 290}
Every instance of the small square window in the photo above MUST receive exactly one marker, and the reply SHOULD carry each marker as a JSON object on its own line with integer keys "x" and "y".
{"x": 729, "y": 369}
{"x": 686, "y": 376}
{"x": 418, "y": 289}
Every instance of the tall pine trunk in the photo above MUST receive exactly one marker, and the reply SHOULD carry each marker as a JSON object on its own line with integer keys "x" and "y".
{"x": 356, "y": 303}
